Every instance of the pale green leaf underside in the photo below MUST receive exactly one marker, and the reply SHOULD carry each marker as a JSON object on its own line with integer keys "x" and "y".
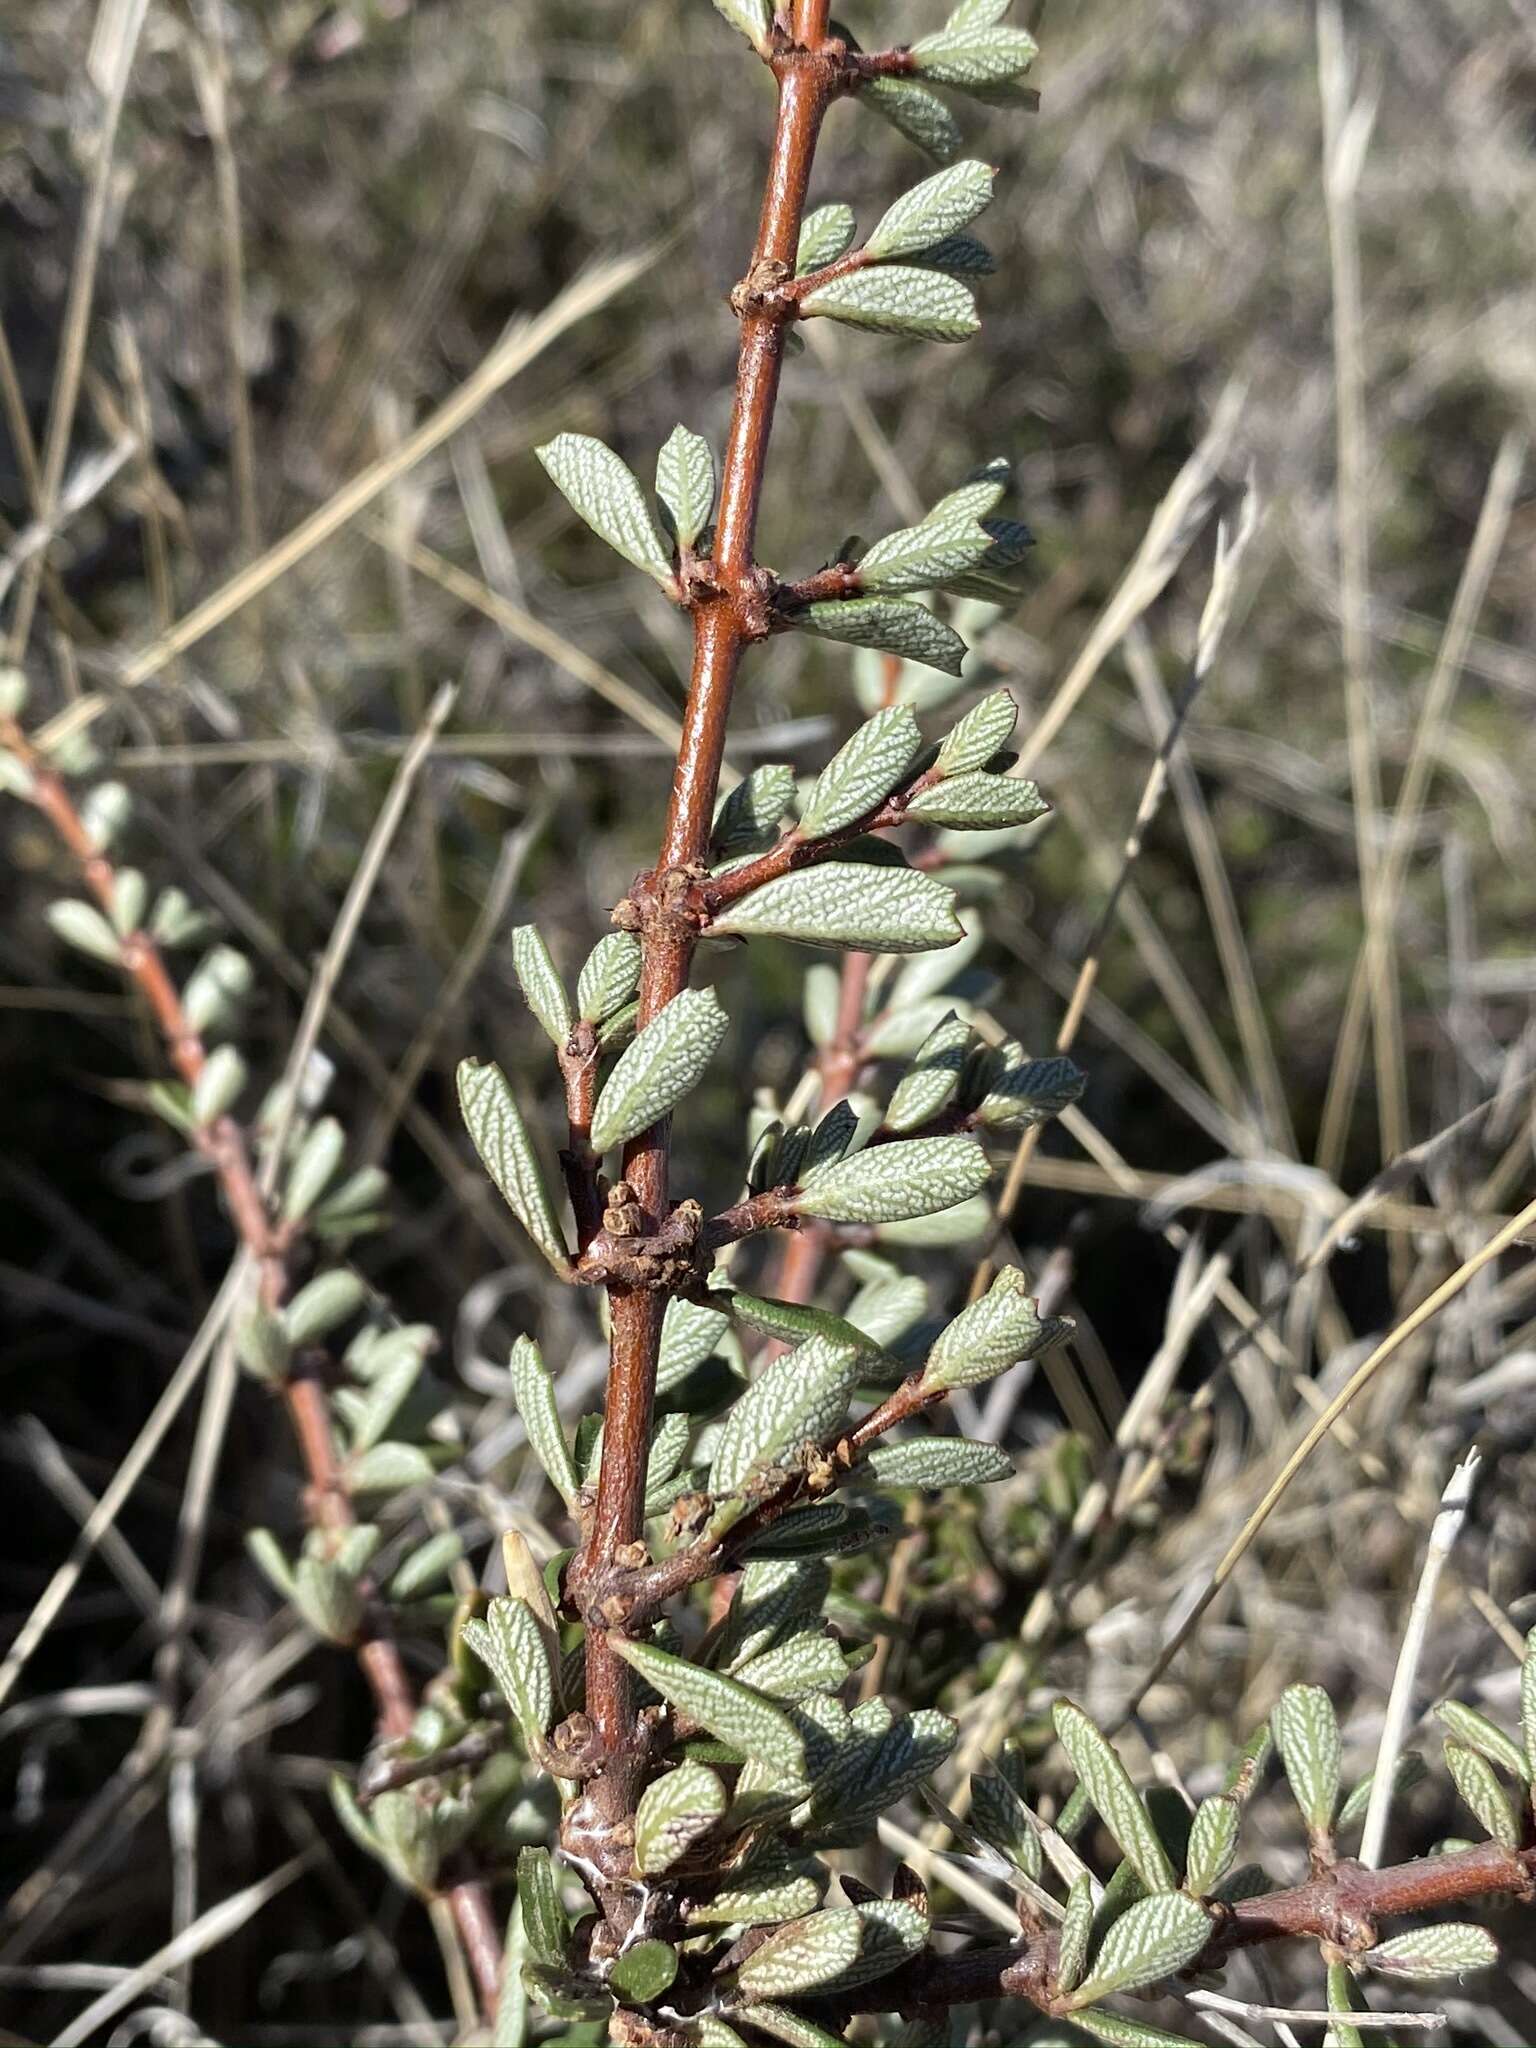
{"x": 801, "y": 1397}
{"x": 727, "y": 1709}
{"x": 862, "y": 773}
{"x": 939, "y": 206}
{"x": 543, "y": 990}
{"x": 685, "y": 482}
{"x": 939, "y": 1461}
{"x": 893, "y": 625}
{"x": 897, "y": 298}
{"x": 842, "y": 904}
{"x": 994, "y": 1333}
{"x": 604, "y": 490}
{"x": 908, "y": 1177}
{"x": 610, "y": 977}
{"x": 658, "y": 1067}
{"x": 978, "y": 802}
{"x": 506, "y": 1151}
{"x": 1151, "y": 1939}
{"x": 915, "y": 112}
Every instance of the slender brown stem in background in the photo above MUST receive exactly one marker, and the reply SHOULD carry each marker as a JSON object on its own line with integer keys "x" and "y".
{"x": 809, "y": 78}
{"x": 328, "y": 1504}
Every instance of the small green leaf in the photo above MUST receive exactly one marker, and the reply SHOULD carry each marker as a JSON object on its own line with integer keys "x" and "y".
{"x": 922, "y": 556}
{"x": 825, "y": 235}
{"x": 533, "y": 1388}
{"x": 642, "y": 1973}
{"x": 771, "y": 1600}
{"x": 130, "y": 894}
{"x": 268, "y": 1555}
{"x": 510, "y": 1644}
{"x": 323, "y": 1303}
{"x": 1115, "y": 1799}
{"x": 690, "y": 1333}
{"x": 511, "y": 2028}
{"x": 425, "y": 1566}
{"x": 1473, "y": 1777}
{"x": 978, "y": 802}
{"x": 994, "y": 1333}
{"x": 1410, "y": 1770}
{"x": 937, "y": 1461}
{"x": 1483, "y": 1735}
{"x": 82, "y": 926}
{"x": 545, "y": 1926}
{"x": 1119, "y": 2032}
{"x": 543, "y": 990}
{"x": 915, "y": 112}
{"x": 329, "y": 1598}
{"x": 757, "y": 1902}
{"x": 785, "y": 2025}
{"x": 897, "y": 298}
{"x": 802, "y": 1955}
{"x": 262, "y": 1342}
{"x": 1076, "y": 1927}
{"x": 974, "y": 57}
{"x": 1448, "y": 1950}
{"x": 895, "y": 625}
{"x": 506, "y": 1151}
{"x": 660, "y": 1066}
{"x": 610, "y": 977}
{"x": 801, "y": 1397}
{"x": 751, "y": 18}
{"x": 219, "y": 1085}
{"x": 1528, "y": 1705}
{"x": 685, "y": 483}
{"x": 908, "y": 1177}
{"x": 674, "y": 1812}
{"x": 403, "y": 1824}
{"x": 748, "y": 819}
{"x": 216, "y": 987}
{"x": 960, "y": 255}
{"x": 881, "y": 1765}
{"x": 929, "y": 1084}
{"x": 862, "y": 773}
{"x": 1306, "y": 1733}
{"x": 1027, "y": 1091}
{"x": 604, "y": 490}
{"x": 841, "y": 905}
{"x": 998, "y": 1816}
{"x": 752, "y": 1724}
{"x": 1151, "y": 1939}
{"x": 983, "y": 731}
{"x": 389, "y": 1468}
{"x": 949, "y": 200}
{"x": 1212, "y": 1844}
{"x": 806, "y": 1663}
{"x": 314, "y": 1169}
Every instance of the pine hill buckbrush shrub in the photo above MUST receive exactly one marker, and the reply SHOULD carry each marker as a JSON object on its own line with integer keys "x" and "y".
{"x": 674, "y": 1676}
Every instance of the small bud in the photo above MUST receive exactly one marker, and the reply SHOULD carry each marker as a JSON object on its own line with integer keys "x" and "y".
{"x": 224, "y": 1075}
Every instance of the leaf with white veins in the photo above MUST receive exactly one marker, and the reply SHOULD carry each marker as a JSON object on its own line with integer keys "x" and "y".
{"x": 506, "y": 1151}
{"x": 605, "y": 491}
{"x": 862, "y": 773}
{"x": 659, "y": 1067}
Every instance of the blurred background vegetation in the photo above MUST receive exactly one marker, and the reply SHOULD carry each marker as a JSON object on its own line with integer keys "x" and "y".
{"x": 1304, "y": 241}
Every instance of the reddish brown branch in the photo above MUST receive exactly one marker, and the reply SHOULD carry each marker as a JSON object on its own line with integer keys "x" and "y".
{"x": 328, "y": 1504}
{"x": 810, "y": 73}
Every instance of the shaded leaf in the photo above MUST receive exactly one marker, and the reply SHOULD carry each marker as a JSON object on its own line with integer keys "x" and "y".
{"x": 1028, "y": 1091}
{"x": 747, "y": 820}
{"x": 825, "y": 235}
{"x": 644, "y": 1972}
{"x": 545, "y": 1926}
{"x": 1483, "y": 1735}
{"x": 1076, "y": 1927}
{"x": 915, "y": 112}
